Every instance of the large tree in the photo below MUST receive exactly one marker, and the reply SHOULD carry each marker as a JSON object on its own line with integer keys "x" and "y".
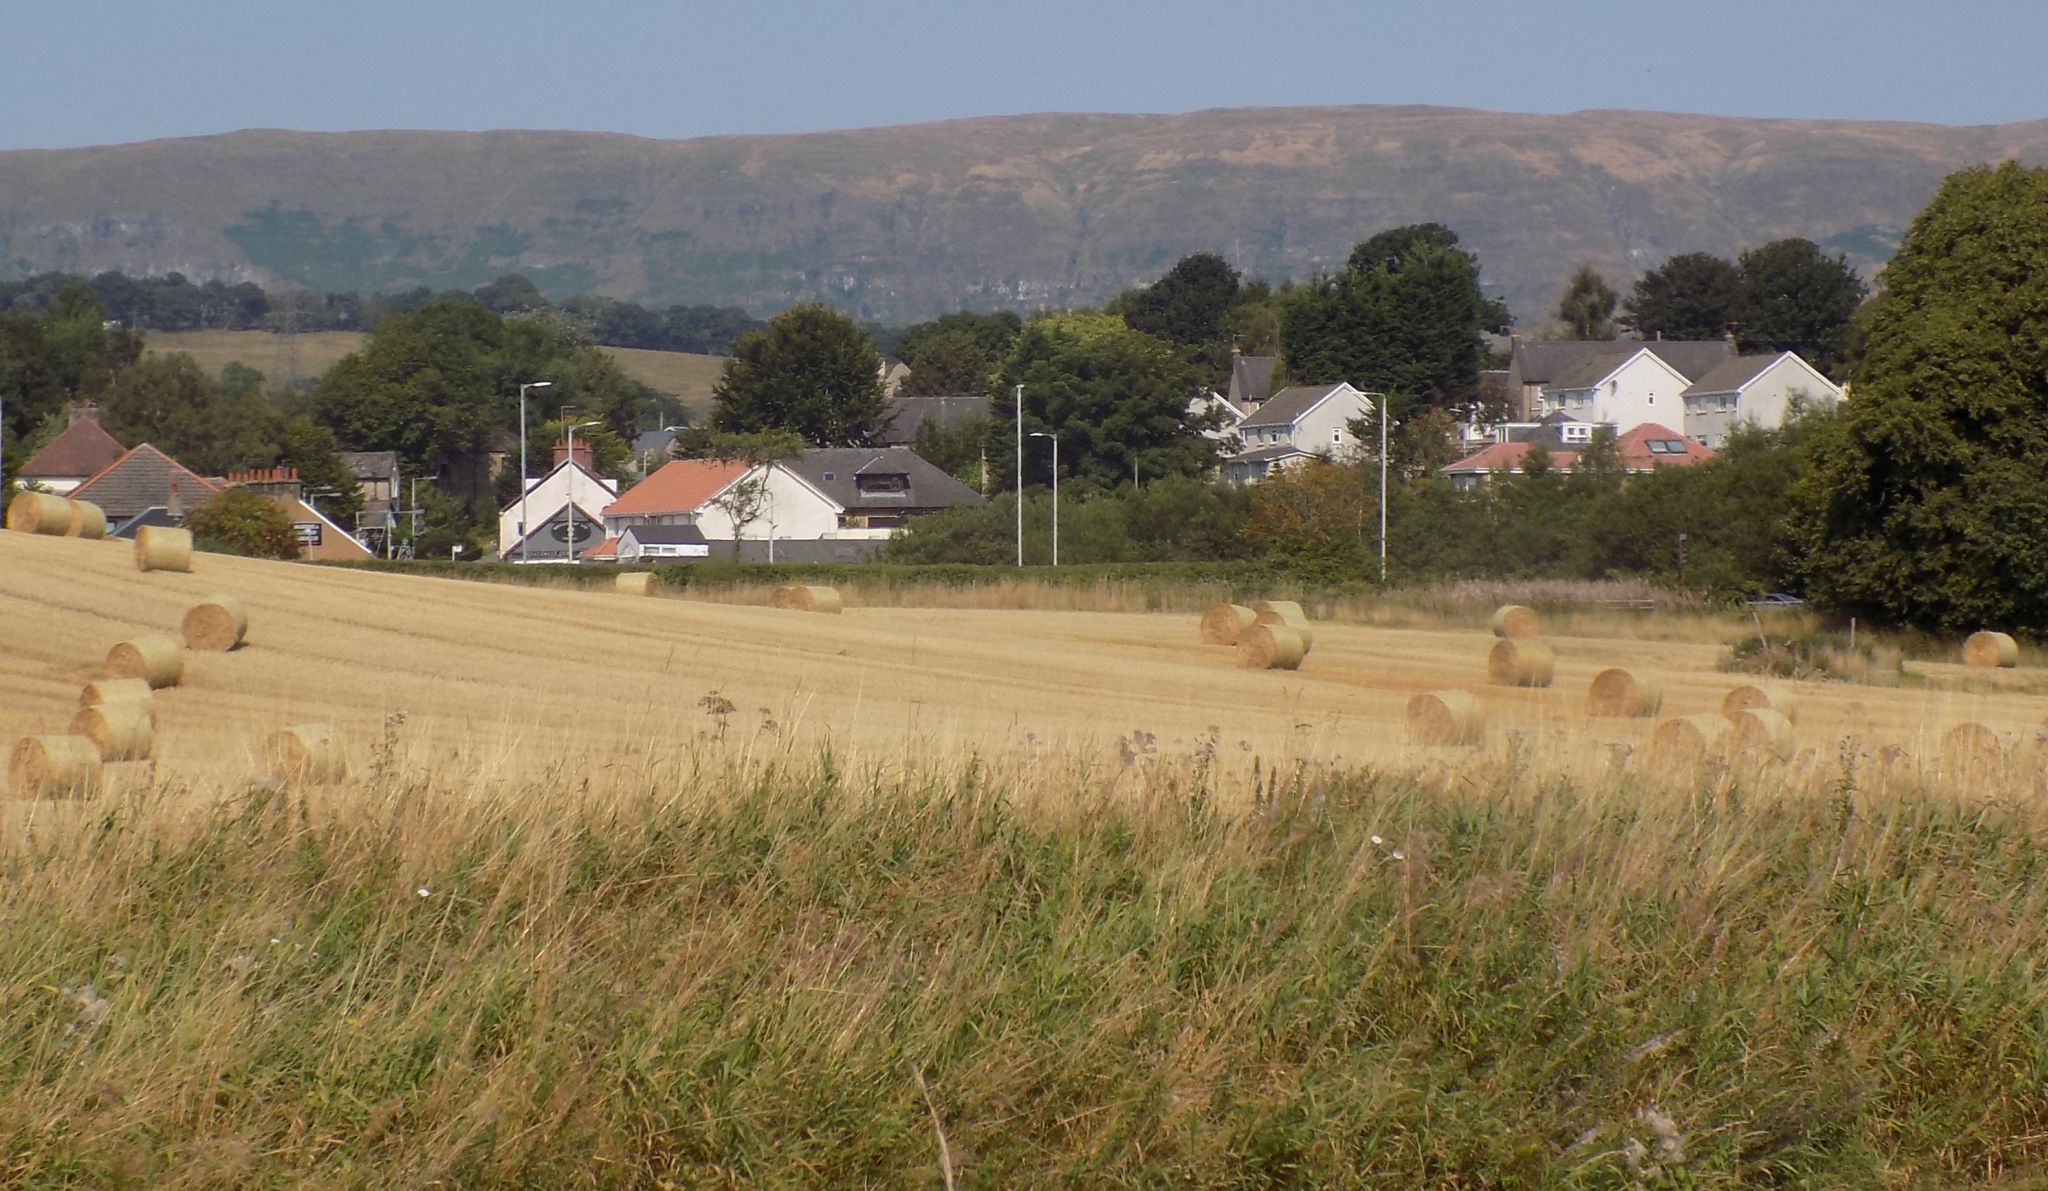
{"x": 1187, "y": 306}
{"x": 1117, "y": 399}
{"x": 1926, "y": 504}
{"x": 211, "y": 427}
{"x": 812, "y": 372}
{"x": 1586, "y": 308}
{"x": 1796, "y": 298}
{"x": 1691, "y": 296}
{"x": 1404, "y": 317}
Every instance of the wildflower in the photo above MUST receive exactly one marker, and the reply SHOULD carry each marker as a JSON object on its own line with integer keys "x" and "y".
{"x": 425, "y": 892}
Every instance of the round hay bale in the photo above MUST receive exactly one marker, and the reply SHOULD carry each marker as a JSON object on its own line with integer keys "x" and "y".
{"x": 117, "y": 690}
{"x": 808, "y": 599}
{"x": 158, "y": 548}
{"x": 1759, "y": 731}
{"x": 1445, "y": 717}
{"x": 88, "y": 521}
{"x": 1279, "y": 619}
{"x": 1688, "y": 740}
{"x": 1270, "y": 647}
{"x": 305, "y": 753}
{"x": 1974, "y": 749}
{"x": 1767, "y": 698}
{"x": 1521, "y": 663}
{"x": 1991, "y": 650}
{"x": 120, "y": 731}
{"x": 54, "y": 767}
{"x": 1514, "y": 621}
{"x": 38, "y": 512}
{"x": 1289, "y": 611}
{"x": 637, "y": 583}
{"x": 1617, "y": 692}
{"x": 217, "y": 625}
{"x": 156, "y": 659}
{"x": 1223, "y": 624}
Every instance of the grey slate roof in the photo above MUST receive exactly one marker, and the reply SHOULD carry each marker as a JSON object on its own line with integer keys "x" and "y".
{"x": 372, "y": 465}
{"x": 145, "y": 478}
{"x": 1288, "y": 405}
{"x": 1733, "y": 373}
{"x": 908, "y": 414}
{"x": 1251, "y": 379}
{"x": 664, "y": 535}
{"x": 832, "y": 470}
{"x": 1269, "y": 454}
{"x": 1546, "y": 361}
{"x": 1689, "y": 359}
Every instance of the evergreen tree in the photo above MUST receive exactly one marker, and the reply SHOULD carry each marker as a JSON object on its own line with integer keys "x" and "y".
{"x": 1691, "y": 296}
{"x": 1586, "y": 308}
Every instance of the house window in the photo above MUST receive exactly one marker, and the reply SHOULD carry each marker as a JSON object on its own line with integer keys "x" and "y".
{"x": 829, "y": 477}
{"x": 1336, "y": 436}
{"x": 884, "y": 482}
{"x": 1578, "y": 432}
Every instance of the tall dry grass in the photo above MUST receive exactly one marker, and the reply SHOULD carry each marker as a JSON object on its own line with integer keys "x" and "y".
{"x": 805, "y": 970}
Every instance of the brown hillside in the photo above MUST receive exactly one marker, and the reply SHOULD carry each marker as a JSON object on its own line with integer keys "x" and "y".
{"x": 896, "y": 223}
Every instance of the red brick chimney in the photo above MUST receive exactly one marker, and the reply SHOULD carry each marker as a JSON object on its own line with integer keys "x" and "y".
{"x": 583, "y": 455}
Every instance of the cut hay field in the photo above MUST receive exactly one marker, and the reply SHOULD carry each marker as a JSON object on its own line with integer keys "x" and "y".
{"x": 505, "y": 678}
{"x": 686, "y": 376}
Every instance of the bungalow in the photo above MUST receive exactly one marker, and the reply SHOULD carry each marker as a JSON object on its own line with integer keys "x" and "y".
{"x": 561, "y": 511}
{"x": 1642, "y": 449}
{"x": 144, "y": 479}
{"x": 79, "y": 452}
{"x": 1759, "y": 390}
{"x": 1300, "y": 423}
{"x": 644, "y": 543}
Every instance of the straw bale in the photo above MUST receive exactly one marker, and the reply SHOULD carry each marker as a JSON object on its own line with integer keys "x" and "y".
{"x": 117, "y": 690}
{"x": 808, "y": 598}
{"x": 1761, "y": 732}
{"x": 1618, "y": 692}
{"x": 1289, "y": 611}
{"x": 1521, "y": 663}
{"x": 158, "y": 548}
{"x": 1445, "y": 717}
{"x": 1278, "y": 619}
{"x": 54, "y": 767}
{"x": 1516, "y": 621}
{"x": 637, "y": 583}
{"x": 38, "y": 512}
{"x": 1270, "y": 647}
{"x": 305, "y": 753}
{"x": 156, "y": 659}
{"x": 1688, "y": 740}
{"x": 217, "y": 625}
{"x": 88, "y": 521}
{"x": 1991, "y": 650}
{"x": 1974, "y": 749}
{"x": 1770, "y": 698}
{"x": 120, "y": 731}
{"x": 1223, "y": 624}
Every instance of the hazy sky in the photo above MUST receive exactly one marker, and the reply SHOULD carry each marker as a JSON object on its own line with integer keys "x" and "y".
{"x": 125, "y": 70}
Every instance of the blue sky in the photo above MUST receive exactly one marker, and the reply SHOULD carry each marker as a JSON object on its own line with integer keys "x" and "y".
{"x": 124, "y": 70}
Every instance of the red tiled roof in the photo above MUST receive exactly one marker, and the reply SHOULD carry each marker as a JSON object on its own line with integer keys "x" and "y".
{"x": 83, "y": 449}
{"x": 1507, "y": 456}
{"x": 679, "y": 487}
{"x": 609, "y": 548}
{"x": 1679, "y": 451}
{"x": 144, "y": 478}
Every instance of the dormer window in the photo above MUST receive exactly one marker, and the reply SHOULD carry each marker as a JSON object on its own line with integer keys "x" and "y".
{"x": 1577, "y": 432}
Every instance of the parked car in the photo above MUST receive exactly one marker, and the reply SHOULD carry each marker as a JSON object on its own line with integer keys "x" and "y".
{"x": 1776, "y": 599}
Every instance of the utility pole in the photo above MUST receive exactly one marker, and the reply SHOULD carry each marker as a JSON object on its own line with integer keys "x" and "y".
{"x": 1020, "y": 475}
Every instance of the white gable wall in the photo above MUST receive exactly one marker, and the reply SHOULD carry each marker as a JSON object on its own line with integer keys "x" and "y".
{"x": 562, "y": 486}
{"x": 792, "y": 509}
{"x": 1641, "y": 389}
{"x": 1765, "y": 402}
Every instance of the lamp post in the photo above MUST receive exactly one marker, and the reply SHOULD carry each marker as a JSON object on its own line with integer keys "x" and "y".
{"x": 1020, "y": 475}
{"x": 1055, "y": 492}
{"x": 573, "y": 428}
{"x": 524, "y": 483}
{"x": 1380, "y": 399}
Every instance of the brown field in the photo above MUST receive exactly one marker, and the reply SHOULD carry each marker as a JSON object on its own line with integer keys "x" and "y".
{"x": 507, "y": 682}
{"x": 685, "y": 376}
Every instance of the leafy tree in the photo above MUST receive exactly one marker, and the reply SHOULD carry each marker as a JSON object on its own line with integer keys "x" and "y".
{"x": 960, "y": 450}
{"x": 239, "y": 521}
{"x": 329, "y": 485}
{"x": 1796, "y": 298}
{"x": 1586, "y": 308}
{"x": 211, "y": 428}
{"x": 1319, "y": 510}
{"x": 1925, "y": 503}
{"x": 811, "y": 372}
{"x": 1403, "y": 318}
{"x": 948, "y": 363}
{"x": 1187, "y": 306}
{"x": 1117, "y": 399}
{"x": 1691, "y": 296}
{"x": 509, "y": 293}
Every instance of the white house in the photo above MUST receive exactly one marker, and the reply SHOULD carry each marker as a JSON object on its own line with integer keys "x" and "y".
{"x": 1299, "y": 423}
{"x": 1622, "y": 391}
{"x": 1210, "y": 406}
{"x": 566, "y": 503}
{"x": 1759, "y": 390}
{"x": 641, "y": 543}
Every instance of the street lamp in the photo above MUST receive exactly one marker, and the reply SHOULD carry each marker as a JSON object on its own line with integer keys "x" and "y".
{"x": 524, "y": 483}
{"x": 1020, "y": 475}
{"x": 574, "y": 427}
{"x": 1055, "y": 492}
{"x": 1380, "y": 399}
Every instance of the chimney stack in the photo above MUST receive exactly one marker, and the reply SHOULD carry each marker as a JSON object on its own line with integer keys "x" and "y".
{"x": 583, "y": 454}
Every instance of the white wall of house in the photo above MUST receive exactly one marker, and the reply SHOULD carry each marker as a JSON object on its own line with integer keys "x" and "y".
{"x": 1642, "y": 388}
{"x": 559, "y": 487}
{"x": 1199, "y": 408}
{"x": 1323, "y": 430}
{"x": 1765, "y": 402}
{"x": 792, "y": 509}
{"x": 631, "y": 550}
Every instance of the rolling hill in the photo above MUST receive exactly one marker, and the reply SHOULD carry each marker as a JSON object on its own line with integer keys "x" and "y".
{"x": 1026, "y": 211}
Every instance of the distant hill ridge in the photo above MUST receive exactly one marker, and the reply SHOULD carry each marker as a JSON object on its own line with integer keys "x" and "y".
{"x": 1020, "y": 212}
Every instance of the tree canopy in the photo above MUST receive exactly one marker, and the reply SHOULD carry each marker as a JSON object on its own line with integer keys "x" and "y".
{"x": 1796, "y": 298}
{"x": 812, "y": 372}
{"x": 1925, "y": 504}
{"x": 1586, "y": 308}
{"x": 1691, "y": 296}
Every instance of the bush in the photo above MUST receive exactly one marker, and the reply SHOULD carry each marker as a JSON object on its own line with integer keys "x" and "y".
{"x": 239, "y": 521}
